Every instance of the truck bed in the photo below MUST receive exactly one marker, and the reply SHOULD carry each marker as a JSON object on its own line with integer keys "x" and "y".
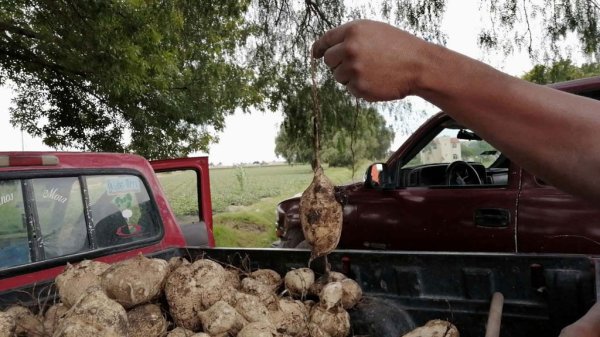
{"x": 543, "y": 293}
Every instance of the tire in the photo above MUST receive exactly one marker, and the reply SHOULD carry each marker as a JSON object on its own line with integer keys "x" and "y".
{"x": 293, "y": 237}
{"x": 303, "y": 245}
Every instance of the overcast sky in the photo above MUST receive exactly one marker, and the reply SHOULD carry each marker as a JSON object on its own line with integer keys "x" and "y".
{"x": 250, "y": 137}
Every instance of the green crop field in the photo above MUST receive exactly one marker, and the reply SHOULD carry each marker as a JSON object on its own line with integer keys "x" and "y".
{"x": 244, "y": 198}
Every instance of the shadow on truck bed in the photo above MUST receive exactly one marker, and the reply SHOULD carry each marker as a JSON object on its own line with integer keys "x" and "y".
{"x": 543, "y": 293}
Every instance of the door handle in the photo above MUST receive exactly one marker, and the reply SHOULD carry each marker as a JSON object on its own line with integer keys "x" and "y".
{"x": 492, "y": 217}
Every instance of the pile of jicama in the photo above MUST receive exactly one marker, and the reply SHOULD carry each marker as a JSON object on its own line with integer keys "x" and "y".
{"x": 157, "y": 298}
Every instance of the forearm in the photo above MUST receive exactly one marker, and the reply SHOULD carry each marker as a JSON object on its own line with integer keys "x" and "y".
{"x": 550, "y": 133}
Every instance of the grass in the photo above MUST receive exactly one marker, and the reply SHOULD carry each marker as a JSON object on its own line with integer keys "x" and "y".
{"x": 244, "y": 199}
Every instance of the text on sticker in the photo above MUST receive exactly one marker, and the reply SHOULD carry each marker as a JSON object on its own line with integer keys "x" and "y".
{"x": 122, "y": 185}
{"x": 53, "y": 195}
{"x": 6, "y": 198}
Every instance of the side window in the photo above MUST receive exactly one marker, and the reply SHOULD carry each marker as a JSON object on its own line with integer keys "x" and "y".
{"x": 121, "y": 210}
{"x": 181, "y": 190}
{"x": 430, "y": 166}
{"x": 59, "y": 206}
{"x": 14, "y": 241}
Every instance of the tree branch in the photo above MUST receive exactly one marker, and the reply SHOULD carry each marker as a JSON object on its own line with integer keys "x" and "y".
{"x": 30, "y": 57}
{"x": 8, "y": 27}
{"x": 317, "y": 10}
{"x": 530, "y": 47}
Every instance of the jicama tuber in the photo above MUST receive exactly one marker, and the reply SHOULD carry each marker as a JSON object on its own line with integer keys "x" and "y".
{"x": 194, "y": 288}
{"x": 299, "y": 281}
{"x": 320, "y": 215}
{"x": 258, "y": 329}
{"x": 320, "y": 212}
{"x": 291, "y": 318}
{"x": 52, "y": 317}
{"x": 7, "y": 324}
{"x": 135, "y": 281}
{"x": 75, "y": 279}
{"x": 435, "y": 328}
{"x": 268, "y": 277}
{"x": 222, "y": 318}
{"x": 146, "y": 321}
{"x": 94, "y": 315}
{"x": 26, "y": 323}
{"x": 251, "y": 307}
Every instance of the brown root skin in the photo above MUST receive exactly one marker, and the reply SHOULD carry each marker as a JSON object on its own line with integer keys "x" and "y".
{"x": 26, "y": 323}
{"x": 335, "y": 323}
{"x": 232, "y": 278}
{"x": 52, "y": 317}
{"x": 262, "y": 291}
{"x": 332, "y": 276}
{"x": 352, "y": 293}
{"x": 181, "y": 332}
{"x": 94, "y": 315}
{"x": 436, "y": 327}
{"x": 135, "y": 281}
{"x": 291, "y": 318}
{"x": 222, "y": 318}
{"x": 258, "y": 329}
{"x": 299, "y": 281}
{"x": 251, "y": 307}
{"x": 146, "y": 321}
{"x": 268, "y": 277}
{"x": 75, "y": 279}
{"x": 7, "y": 324}
{"x": 331, "y": 295}
{"x": 194, "y": 288}
{"x": 321, "y": 215}
{"x": 176, "y": 262}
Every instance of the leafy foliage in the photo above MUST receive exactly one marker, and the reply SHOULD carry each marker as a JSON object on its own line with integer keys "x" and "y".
{"x": 87, "y": 72}
{"x": 519, "y": 24}
{"x": 158, "y": 77}
{"x": 563, "y": 70}
{"x": 349, "y": 131}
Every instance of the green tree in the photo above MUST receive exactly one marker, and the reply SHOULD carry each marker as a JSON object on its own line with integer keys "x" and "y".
{"x": 158, "y": 77}
{"x": 91, "y": 74}
{"x": 349, "y": 133}
{"x": 562, "y": 70}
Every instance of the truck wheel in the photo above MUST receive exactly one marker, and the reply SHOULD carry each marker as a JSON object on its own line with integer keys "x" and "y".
{"x": 304, "y": 245}
{"x": 294, "y": 236}
{"x": 374, "y": 316}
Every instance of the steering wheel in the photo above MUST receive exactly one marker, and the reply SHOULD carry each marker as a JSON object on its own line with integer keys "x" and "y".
{"x": 462, "y": 173}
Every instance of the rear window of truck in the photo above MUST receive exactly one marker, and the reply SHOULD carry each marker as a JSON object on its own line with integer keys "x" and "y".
{"x": 46, "y": 218}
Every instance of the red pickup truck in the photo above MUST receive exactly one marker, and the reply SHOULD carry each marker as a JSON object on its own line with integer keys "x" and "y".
{"x": 65, "y": 207}
{"x": 446, "y": 189}
{"x": 58, "y": 207}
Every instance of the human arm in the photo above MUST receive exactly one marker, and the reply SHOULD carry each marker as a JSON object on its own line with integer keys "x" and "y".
{"x": 550, "y": 133}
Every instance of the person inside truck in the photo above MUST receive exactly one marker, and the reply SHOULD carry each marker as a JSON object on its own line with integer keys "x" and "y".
{"x": 378, "y": 62}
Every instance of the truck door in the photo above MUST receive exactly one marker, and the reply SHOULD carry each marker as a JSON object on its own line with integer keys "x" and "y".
{"x": 186, "y": 184}
{"x": 552, "y": 221}
{"x": 451, "y": 192}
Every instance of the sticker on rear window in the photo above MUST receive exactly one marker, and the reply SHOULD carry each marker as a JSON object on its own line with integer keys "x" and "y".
{"x": 122, "y": 185}
{"x": 6, "y": 198}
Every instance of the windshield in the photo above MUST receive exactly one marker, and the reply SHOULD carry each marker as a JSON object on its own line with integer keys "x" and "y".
{"x": 447, "y": 147}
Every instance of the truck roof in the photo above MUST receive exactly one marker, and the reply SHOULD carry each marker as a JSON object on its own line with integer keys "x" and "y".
{"x": 41, "y": 160}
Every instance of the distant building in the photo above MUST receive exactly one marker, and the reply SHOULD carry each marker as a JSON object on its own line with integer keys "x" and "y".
{"x": 441, "y": 150}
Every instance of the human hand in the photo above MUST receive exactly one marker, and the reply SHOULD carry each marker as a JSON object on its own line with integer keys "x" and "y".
{"x": 375, "y": 61}
{"x": 586, "y": 326}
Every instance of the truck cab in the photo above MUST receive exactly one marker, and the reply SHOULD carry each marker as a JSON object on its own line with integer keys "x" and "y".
{"x": 59, "y": 207}
{"x": 447, "y": 189}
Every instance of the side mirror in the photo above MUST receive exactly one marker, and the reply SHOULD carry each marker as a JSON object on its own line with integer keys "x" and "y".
{"x": 376, "y": 176}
